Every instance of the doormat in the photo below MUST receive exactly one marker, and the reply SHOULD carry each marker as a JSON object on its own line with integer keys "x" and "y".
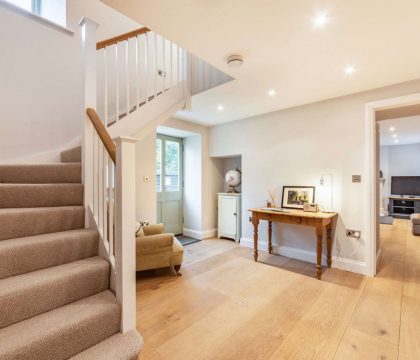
{"x": 386, "y": 220}
{"x": 186, "y": 240}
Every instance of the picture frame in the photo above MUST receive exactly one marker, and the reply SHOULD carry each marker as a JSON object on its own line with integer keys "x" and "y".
{"x": 294, "y": 197}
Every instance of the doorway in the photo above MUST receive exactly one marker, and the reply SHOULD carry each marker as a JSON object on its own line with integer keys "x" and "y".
{"x": 378, "y": 207}
{"x": 169, "y": 183}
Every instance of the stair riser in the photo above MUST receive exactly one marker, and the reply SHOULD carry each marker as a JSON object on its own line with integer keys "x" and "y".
{"x": 16, "y": 223}
{"x": 40, "y": 174}
{"x": 61, "y": 340}
{"x": 43, "y": 294}
{"x": 36, "y": 195}
{"x": 72, "y": 155}
{"x": 20, "y": 256}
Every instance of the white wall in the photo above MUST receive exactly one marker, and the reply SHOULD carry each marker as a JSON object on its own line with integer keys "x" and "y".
{"x": 192, "y": 183}
{"x": 294, "y": 147}
{"x": 41, "y": 79}
{"x": 40, "y": 88}
{"x": 202, "y": 179}
{"x": 146, "y": 167}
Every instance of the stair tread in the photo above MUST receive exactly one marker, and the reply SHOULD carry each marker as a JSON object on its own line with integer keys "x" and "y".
{"x": 28, "y": 295}
{"x": 46, "y": 250}
{"x": 41, "y": 173}
{"x": 20, "y": 222}
{"x": 64, "y": 332}
{"x": 40, "y": 195}
{"x": 117, "y": 347}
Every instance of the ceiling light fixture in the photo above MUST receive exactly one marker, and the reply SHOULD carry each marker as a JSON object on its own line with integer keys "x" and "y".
{"x": 391, "y": 128}
{"x": 349, "y": 70}
{"x": 396, "y": 141}
{"x": 394, "y": 135}
{"x": 220, "y": 107}
{"x": 272, "y": 92}
{"x": 320, "y": 20}
{"x": 235, "y": 61}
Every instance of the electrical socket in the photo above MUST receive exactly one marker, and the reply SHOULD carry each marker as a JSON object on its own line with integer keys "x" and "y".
{"x": 353, "y": 233}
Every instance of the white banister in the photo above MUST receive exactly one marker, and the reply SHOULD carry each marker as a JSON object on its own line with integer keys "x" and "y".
{"x": 125, "y": 242}
{"x": 162, "y": 66}
{"x": 109, "y": 181}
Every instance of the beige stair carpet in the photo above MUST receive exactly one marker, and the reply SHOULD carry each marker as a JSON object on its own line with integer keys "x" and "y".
{"x": 55, "y": 301}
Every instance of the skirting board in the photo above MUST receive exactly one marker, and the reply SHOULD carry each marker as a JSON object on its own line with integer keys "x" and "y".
{"x": 355, "y": 266}
{"x": 200, "y": 235}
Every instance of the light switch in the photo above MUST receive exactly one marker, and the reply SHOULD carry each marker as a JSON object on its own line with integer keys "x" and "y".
{"x": 356, "y": 178}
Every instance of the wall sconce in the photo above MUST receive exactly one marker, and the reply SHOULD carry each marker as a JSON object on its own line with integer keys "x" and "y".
{"x": 322, "y": 183}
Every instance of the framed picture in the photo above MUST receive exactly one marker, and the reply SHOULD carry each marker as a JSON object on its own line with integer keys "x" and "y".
{"x": 295, "y": 196}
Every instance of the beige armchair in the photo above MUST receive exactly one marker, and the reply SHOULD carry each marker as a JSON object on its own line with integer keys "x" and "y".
{"x": 155, "y": 249}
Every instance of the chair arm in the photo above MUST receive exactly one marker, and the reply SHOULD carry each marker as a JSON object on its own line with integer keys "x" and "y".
{"x": 153, "y": 243}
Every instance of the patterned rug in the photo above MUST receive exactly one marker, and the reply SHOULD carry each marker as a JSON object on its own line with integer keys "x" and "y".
{"x": 386, "y": 220}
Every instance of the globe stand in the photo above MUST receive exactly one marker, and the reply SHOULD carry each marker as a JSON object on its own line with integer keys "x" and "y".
{"x": 232, "y": 190}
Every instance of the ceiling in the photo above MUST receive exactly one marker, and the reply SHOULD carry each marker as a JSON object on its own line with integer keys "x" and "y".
{"x": 283, "y": 50}
{"x": 406, "y": 131}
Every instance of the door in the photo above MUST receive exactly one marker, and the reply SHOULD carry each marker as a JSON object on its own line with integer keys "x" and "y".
{"x": 169, "y": 183}
{"x": 228, "y": 208}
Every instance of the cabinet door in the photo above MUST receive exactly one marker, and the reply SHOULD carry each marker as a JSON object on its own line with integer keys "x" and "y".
{"x": 228, "y": 215}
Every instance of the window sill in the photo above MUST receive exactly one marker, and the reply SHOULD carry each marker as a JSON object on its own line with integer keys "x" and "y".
{"x": 18, "y": 10}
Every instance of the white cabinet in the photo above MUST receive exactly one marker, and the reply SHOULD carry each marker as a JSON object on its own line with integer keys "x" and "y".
{"x": 229, "y": 219}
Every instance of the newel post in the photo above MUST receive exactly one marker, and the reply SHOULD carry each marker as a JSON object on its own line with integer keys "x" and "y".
{"x": 125, "y": 241}
{"x": 88, "y": 37}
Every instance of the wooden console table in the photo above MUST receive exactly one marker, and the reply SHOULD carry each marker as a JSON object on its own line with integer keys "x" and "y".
{"x": 320, "y": 221}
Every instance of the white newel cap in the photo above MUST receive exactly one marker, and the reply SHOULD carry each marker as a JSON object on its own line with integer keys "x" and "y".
{"x": 87, "y": 21}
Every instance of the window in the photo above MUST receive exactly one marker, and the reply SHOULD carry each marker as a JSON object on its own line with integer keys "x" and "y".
{"x": 172, "y": 158}
{"x": 53, "y": 10}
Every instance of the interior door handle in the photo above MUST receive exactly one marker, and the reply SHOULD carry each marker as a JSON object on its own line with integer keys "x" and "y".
{"x": 234, "y": 214}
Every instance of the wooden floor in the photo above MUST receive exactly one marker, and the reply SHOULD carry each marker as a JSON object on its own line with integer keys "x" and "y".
{"x": 225, "y": 306}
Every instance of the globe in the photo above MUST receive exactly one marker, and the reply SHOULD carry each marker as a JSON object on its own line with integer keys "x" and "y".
{"x": 233, "y": 179}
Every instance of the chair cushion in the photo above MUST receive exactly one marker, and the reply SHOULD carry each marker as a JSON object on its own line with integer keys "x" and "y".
{"x": 415, "y": 219}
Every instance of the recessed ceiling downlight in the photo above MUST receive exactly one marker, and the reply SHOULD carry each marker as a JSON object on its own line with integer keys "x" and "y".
{"x": 320, "y": 20}
{"x": 235, "y": 61}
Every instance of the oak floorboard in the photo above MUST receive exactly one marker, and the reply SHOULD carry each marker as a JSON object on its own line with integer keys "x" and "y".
{"x": 410, "y": 329}
{"x": 357, "y": 345}
{"x": 227, "y": 307}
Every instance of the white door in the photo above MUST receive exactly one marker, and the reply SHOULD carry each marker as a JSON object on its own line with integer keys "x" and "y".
{"x": 169, "y": 183}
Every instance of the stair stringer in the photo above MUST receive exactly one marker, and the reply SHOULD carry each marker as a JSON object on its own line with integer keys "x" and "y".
{"x": 152, "y": 114}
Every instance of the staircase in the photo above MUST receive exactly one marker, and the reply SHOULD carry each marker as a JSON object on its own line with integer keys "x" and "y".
{"x": 55, "y": 297}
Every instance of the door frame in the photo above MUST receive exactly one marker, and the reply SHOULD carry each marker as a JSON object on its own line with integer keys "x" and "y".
{"x": 164, "y": 138}
{"x": 372, "y": 172}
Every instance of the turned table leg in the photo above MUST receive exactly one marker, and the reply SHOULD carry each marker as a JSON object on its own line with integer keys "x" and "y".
{"x": 270, "y": 234}
{"x": 319, "y": 237}
{"x": 255, "y": 222}
{"x": 329, "y": 245}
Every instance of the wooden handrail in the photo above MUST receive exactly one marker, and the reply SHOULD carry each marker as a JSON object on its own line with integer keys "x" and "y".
{"x": 103, "y": 134}
{"x": 123, "y": 37}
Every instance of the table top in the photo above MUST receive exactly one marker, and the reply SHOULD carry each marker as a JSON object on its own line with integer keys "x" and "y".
{"x": 297, "y": 213}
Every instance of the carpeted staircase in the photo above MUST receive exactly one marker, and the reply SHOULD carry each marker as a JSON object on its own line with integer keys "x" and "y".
{"x": 55, "y": 301}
